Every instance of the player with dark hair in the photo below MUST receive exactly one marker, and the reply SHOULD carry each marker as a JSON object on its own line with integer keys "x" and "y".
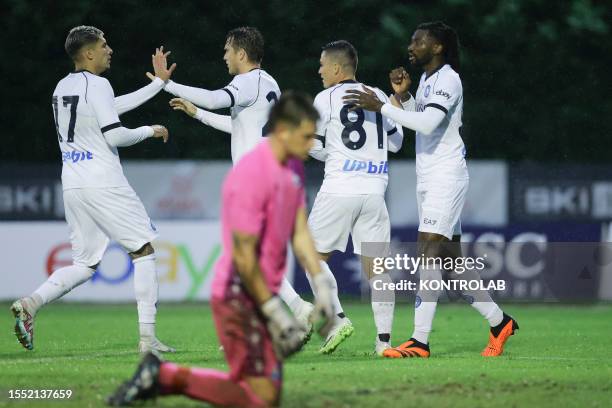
{"x": 263, "y": 208}
{"x": 99, "y": 202}
{"x": 249, "y": 96}
{"x": 442, "y": 176}
{"x": 351, "y": 200}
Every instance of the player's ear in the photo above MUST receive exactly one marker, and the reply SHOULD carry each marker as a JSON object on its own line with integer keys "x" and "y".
{"x": 438, "y": 49}
{"x": 283, "y": 131}
{"x": 337, "y": 69}
{"x": 242, "y": 55}
{"x": 87, "y": 53}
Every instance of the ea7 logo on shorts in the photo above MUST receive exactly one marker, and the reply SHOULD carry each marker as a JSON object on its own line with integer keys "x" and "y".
{"x": 368, "y": 167}
{"x": 76, "y": 156}
{"x": 442, "y": 93}
{"x": 429, "y": 221}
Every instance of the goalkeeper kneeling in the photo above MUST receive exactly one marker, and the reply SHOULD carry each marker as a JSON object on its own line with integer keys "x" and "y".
{"x": 263, "y": 209}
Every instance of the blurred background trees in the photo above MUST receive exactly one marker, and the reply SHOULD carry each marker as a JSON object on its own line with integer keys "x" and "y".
{"x": 535, "y": 73}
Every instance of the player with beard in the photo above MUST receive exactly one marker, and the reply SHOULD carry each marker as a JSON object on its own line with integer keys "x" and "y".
{"x": 442, "y": 176}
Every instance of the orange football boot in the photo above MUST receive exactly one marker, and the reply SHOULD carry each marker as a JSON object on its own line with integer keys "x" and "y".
{"x": 498, "y": 336}
{"x": 411, "y": 348}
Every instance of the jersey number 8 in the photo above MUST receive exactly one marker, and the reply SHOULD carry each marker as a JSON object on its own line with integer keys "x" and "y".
{"x": 357, "y": 126}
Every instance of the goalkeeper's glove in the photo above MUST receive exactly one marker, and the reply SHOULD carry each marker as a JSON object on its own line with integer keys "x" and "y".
{"x": 287, "y": 333}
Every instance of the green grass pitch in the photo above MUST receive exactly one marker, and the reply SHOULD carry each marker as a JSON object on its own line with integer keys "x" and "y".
{"x": 561, "y": 356}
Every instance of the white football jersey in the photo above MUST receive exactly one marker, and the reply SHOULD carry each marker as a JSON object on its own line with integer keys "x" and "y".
{"x": 441, "y": 154}
{"x": 354, "y": 143}
{"x": 83, "y": 109}
{"x": 252, "y": 95}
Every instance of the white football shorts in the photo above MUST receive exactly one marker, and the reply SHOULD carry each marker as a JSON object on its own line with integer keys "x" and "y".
{"x": 333, "y": 217}
{"x": 440, "y": 205}
{"x": 96, "y": 214}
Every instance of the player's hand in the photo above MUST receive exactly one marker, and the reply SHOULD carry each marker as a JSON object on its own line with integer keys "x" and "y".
{"x": 183, "y": 105}
{"x": 160, "y": 65}
{"x": 287, "y": 333}
{"x": 400, "y": 82}
{"x": 323, "y": 314}
{"x": 160, "y": 131}
{"x": 365, "y": 100}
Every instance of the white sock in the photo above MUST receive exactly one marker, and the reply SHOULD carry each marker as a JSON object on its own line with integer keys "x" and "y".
{"x": 147, "y": 331}
{"x": 334, "y": 288}
{"x": 480, "y": 299}
{"x": 490, "y": 311}
{"x": 59, "y": 283}
{"x": 290, "y": 296}
{"x": 383, "y": 305}
{"x": 425, "y": 306}
{"x": 146, "y": 289}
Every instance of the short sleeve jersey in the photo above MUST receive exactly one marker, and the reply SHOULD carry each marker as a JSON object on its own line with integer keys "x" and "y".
{"x": 252, "y": 95}
{"x": 83, "y": 109}
{"x": 354, "y": 143}
{"x": 261, "y": 197}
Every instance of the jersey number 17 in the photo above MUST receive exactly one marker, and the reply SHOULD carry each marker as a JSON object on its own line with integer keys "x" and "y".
{"x": 73, "y": 101}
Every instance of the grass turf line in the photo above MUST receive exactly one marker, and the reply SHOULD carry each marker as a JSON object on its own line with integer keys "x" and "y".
{"x": 560, "y": 357}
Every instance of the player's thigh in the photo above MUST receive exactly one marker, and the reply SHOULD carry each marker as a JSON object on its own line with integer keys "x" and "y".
{"x": 441, "y": 206}
{"x": 372, "y": 226}
{"x": 330, "y": 221}
{"x": 120, "y": 213}
{"x": 88, "y": 241}
{"x": 245, "y": 338}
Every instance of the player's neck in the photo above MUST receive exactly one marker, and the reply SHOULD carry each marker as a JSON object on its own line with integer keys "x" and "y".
{"x": 248, "y": 68}
{"x": 433, "y": 65}
{"x": 278, "y": 150}
{"x": 85, "y": 67}
{"x": 346, "y": 78}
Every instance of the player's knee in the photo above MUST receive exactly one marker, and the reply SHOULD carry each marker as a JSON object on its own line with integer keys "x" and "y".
{"x": 266, "y": 390}
{"x": 433, "y": 245}
{"x": 146, "y": 249}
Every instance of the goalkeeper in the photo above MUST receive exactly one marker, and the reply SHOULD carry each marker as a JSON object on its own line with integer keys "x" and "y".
{"x": 263, "y": 208}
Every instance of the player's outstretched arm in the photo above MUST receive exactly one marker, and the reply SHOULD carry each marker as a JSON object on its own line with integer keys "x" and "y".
{"x": 219, "y": 122}
{"x": 307, "y": 256}
{"x": 423, "y": 122}
{"x": 127, "y": 102}
{"x": 211, "y": 100}
{"x": 122, "y": 137}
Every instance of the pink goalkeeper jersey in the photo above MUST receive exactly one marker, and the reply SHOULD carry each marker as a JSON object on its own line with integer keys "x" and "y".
{"x": 260, "y": 197}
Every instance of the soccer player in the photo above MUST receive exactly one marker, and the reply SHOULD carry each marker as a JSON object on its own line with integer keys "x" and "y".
{"x": 249, "y": 96}
{"x": 351, "y": 200}
{"x": 263, "y": 208}
{"x": 98, "y": 200}
{"x": 442, "y": 176}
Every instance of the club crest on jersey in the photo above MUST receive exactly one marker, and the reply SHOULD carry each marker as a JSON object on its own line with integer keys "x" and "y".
{"x": 76, "y": 156}
{"x": 367, "y": 167}
{"x": 427, "y": 90}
